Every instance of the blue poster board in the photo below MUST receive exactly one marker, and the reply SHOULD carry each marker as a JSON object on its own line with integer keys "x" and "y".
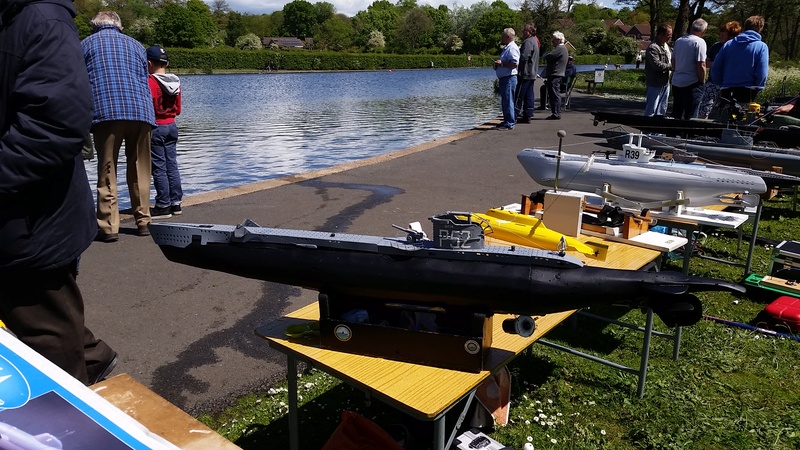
{"x": 42, "y": 407}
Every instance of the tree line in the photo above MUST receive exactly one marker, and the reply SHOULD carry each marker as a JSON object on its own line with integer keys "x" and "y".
{"x": 405, "y": 27}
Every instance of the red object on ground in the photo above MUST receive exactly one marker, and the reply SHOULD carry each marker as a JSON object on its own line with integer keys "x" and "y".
{"x": 785, "y": 310}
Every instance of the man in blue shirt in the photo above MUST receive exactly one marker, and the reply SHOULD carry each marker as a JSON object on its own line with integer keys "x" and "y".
{"x": 123, "y": 111}
{"x": 506, "y": 71}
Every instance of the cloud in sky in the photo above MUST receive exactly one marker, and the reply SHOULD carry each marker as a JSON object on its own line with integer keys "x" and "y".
{"x": 347, "y": 7}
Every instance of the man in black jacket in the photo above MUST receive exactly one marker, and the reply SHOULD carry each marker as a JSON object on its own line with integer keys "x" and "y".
{"x": 46, "y": 211}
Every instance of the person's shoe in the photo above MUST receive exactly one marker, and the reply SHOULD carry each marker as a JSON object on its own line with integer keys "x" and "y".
{"x": 524, "y": 120}
{"x": 176, "y": 210}
{"x": 553, "y": 117}
{"x": 94, "y": 379}
{"x": 106, "y": 237}
{"x": 541, "y": 108}
{"x": 142, "y": 230}
{"x": 504, "y": 128}
{"x": 161, "y": 213}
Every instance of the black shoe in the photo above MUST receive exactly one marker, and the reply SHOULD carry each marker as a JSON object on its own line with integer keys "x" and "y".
{"x": 504, "y": 128}
{"x": 541, "y": 108}
{"x": 553, "y": 117}
{"x": 142, "y": 230}
{"x": 176, "y": 210}
{"x": 524, "y": 120}
{"x": 93, "y": 379}
{"x": 161, "y": 213}
{"x": 106, "y": 237}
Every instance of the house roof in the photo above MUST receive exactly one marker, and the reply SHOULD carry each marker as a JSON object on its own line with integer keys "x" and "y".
{"x": 642, "y": 28}
{"x": 609, "y": 23}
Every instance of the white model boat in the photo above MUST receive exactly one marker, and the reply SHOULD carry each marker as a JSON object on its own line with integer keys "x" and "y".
{"x": 634, "y": 178}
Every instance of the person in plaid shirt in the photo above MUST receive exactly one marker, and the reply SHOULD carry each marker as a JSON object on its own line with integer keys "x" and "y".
{"x": 123, "y": 111}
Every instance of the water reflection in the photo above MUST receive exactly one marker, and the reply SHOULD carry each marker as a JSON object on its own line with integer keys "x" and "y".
{"x": 239, "y": 129}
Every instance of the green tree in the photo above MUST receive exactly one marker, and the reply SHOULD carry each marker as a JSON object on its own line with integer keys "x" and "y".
{"x": 262, "y": 24}
{"x": 376, "y": 41}
{"x": 485, "y": 35}
{"x": 380, "y": 15}
{"x": 325, "y": 11}
{"x": 175, "y": 27}
{"x": 203, "y": 21}
{"x": 335, "y": 34}
{"x": 453, "y": 44}
{"x": 414, "y": 31}
{"x": 248, "y": 42}
{"x": 143, "y": 30}
{"x": 442, "y": 26}
{"x": 235, "y": 29}
{"x": 299, "y": 19}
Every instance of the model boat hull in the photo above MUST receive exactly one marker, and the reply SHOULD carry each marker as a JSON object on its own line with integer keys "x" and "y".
{"x": 787, "y": 138}
{"x": 485, "y": 280}
{"x": 637, "y": 182}
{"x": 752, "y": 159}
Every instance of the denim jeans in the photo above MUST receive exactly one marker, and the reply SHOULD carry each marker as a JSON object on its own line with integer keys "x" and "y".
{"x": 508, "y": 85}
{"x": 164, "y": 154}
{"x": 524, "y": 103}
{"x": 657, "y": 100}
{"x": 686, "y": 102}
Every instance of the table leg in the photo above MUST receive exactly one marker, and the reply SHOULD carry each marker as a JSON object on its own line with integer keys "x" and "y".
{"x": 438, "y": 433}
{"x": 648, "y": 332}
{"x": 676, "y": 346}
{"x": 756, "y": 220}
{"x": 291, "y": 377}
{"x": 688, "y": 249}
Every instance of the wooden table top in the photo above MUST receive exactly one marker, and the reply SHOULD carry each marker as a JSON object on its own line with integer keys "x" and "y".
{"x": 422, "y": 391}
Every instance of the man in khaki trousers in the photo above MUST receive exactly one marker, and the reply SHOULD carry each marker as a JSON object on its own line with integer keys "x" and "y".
{"x": 123, "y": 112}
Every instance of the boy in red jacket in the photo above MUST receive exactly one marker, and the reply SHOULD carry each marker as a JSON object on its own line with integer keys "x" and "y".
{"x": 166, "y": 91}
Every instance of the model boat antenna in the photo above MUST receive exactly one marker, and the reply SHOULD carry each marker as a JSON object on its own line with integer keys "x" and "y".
{"x": 561, "y": 135}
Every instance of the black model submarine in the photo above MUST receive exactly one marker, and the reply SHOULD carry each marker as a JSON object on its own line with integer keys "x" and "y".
{"x": 427, "y": 301}
{"x": 454, "y": 269}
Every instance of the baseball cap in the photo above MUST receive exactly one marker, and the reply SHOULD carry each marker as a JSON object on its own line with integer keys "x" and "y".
{"x": 156, "y": 53}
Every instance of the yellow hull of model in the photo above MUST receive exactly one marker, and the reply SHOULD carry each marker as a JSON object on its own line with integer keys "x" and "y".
{"x": 528, "y": 230}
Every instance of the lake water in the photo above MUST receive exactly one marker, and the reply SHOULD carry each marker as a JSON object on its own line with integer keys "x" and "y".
{"x": 239, "y": 129}
{"x": 244, "y": 128}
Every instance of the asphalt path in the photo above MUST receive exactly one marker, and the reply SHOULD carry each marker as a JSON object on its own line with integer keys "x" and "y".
{"x": 187, "y": 333}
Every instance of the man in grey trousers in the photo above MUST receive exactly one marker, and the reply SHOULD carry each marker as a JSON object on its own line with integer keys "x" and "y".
{"x": 556, "y": 61}
{"x": 526, "y": 72}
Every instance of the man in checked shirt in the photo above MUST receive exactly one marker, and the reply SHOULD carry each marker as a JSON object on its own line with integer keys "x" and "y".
{"x": 123, "y": 111}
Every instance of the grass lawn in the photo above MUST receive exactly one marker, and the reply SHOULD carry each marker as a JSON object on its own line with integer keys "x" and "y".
{"x": 731, "y": 387}
{"x": 631, "y": 83}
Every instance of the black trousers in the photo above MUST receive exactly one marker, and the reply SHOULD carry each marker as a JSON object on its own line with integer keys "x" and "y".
{"x": 44, "y": 308}
{"x": 554, "y": 95}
